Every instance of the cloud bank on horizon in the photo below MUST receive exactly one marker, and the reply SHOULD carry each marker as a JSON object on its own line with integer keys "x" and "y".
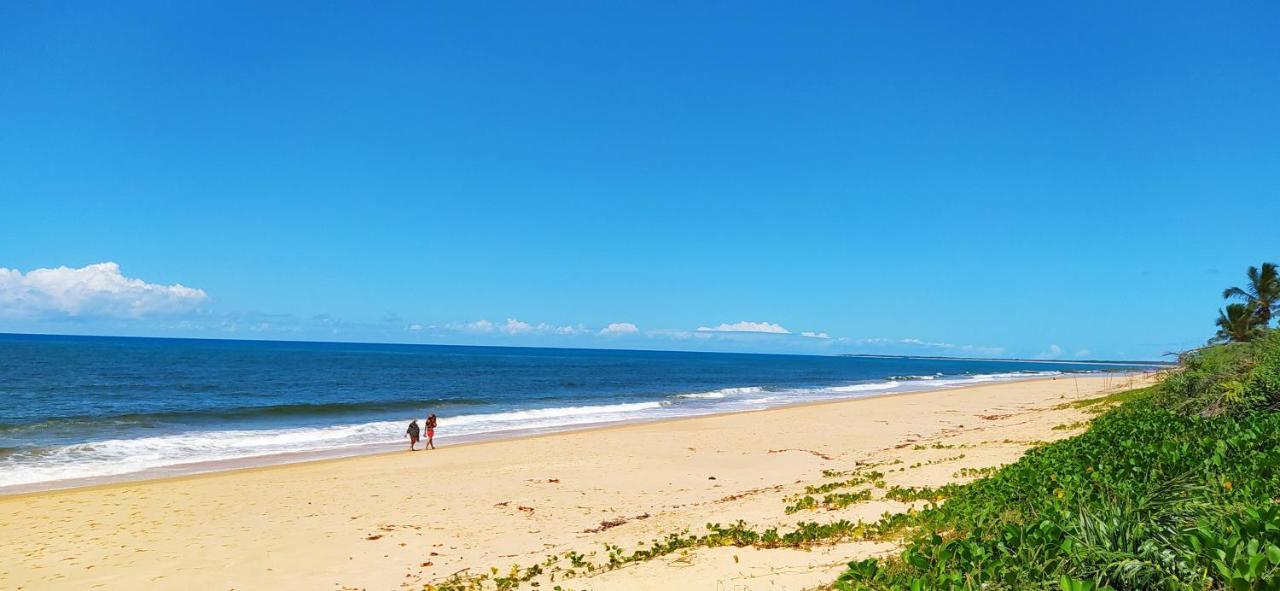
{"x": 745, "y": 326}
{"x": 51, "y": 299}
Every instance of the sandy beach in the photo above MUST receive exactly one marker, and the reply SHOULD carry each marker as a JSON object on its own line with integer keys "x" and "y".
{"x": 403, "y": 520}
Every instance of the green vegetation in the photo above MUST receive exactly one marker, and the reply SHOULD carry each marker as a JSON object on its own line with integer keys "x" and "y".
{"x": 976, "y": 472}
{"x": 1105, "y": 402}
{"x": 858, "y": 478}
{"x": 805, "y": 503}
{"x": 1174, "y": 488}
{"x": 834, "y": 501}
{"x": 1071, "y": 426}
{"x": 937, "y": 446}
{"x": 1236, "y": 378}
{"x": 1238, "y": 323}
{"x": 1249, "y": 320}
{"x": 937, "y": 461}
{"x": 1262, "y": 293}
{"x": 831, "y": 502}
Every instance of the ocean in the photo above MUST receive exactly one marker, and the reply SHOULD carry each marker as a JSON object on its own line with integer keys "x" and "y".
{"x": 77, "y": 408}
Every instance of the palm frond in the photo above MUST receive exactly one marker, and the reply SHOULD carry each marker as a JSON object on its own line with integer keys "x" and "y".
{"x": 1235, "y": 292}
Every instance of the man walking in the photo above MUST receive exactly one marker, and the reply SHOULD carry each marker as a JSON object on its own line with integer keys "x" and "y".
{"x": 413, "y": 432}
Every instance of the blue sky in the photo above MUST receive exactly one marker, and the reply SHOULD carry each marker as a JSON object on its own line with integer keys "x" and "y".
{"x": 1005, "y": 179}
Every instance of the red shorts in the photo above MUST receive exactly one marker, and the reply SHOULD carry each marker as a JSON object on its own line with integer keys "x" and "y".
{"x": 431, "y": 433}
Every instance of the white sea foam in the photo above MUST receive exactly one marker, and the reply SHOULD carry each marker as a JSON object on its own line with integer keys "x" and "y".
{"x": 1000, "y": 377}
{"x": 556, "y": 414}
{"x": 122, "y": 456}
{"x": 871, "y": 387}
{"x": 721, "y": 393}
{"x": 116, "y": 457}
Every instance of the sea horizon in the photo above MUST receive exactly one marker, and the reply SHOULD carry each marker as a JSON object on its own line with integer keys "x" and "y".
{"x": 1143, "y": 362}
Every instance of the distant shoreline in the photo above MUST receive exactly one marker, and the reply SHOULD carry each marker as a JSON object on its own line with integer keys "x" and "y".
{"x": 1016, "y": 360}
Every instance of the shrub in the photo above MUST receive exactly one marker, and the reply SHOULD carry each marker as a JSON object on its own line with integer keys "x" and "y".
{"x": 1174, "y": 489}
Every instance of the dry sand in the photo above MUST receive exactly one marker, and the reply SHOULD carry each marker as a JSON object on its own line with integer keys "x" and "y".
{"x": 401, "y": 520}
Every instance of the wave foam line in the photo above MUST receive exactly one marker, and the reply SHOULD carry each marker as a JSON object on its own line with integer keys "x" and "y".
{"x": 113, "y": 457}
{"x": 721, "y": 393}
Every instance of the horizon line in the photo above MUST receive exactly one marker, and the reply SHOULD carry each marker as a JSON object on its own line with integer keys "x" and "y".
{"x": 866, "y": 355}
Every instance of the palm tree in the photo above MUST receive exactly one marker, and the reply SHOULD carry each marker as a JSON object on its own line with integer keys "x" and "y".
{"x": 1237, "y": 324}
{"x": 1263, "y": 292}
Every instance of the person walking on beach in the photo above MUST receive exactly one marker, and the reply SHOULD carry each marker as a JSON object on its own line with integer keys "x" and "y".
{"x": 431, "y": 432}
{"x": 413, "y": 432}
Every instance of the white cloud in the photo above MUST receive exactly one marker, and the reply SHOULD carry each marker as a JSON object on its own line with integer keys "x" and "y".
{"x": 514, "y": 326}
{"x": 477, "y": 326}
{"x": 1054, "y": 352}
{"x": 92, "y": 290}
{"x": 619, "y": 328}
{"x": 912, "y": 345}
{"x": 982, "y": 350}
{"x": 1082, "y": 353}
{"x": 815, "y": 335}
{"x": 747, "y": 326}
{"x": 414, "y": 328}
{"x": 934, "y": 344}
